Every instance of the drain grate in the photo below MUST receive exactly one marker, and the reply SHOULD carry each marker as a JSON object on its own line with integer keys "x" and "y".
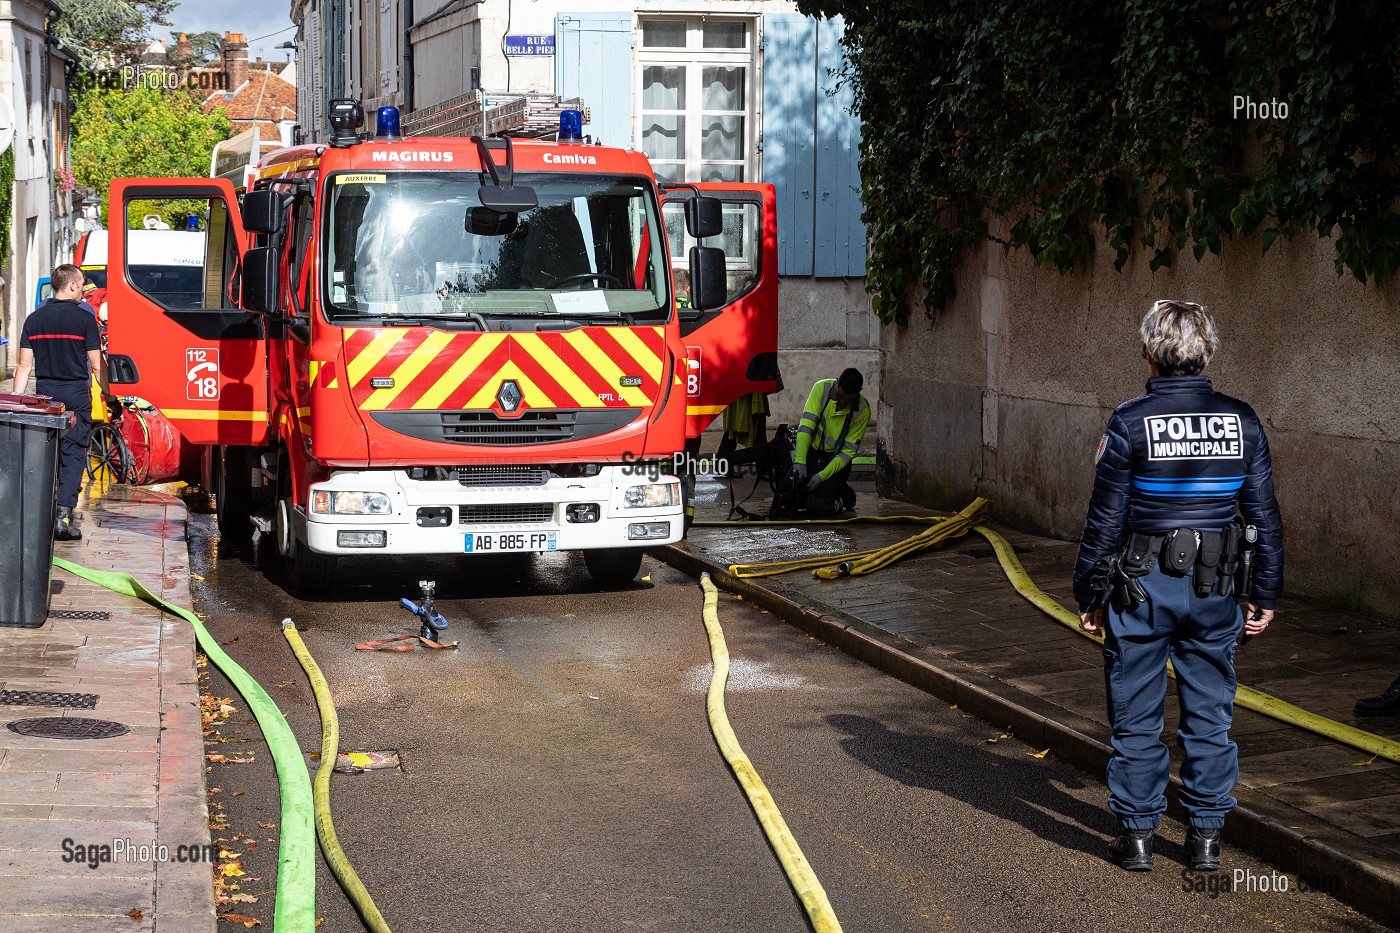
{"x": 68, "y": 727}
{"x": 95, "y": 615}
{"x": 44, "y": 698}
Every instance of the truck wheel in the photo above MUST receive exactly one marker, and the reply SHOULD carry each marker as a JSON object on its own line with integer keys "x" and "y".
{"x": 309, "y": 573}
{"x": 231, "y": 502}
{"x": 613, "y": 566}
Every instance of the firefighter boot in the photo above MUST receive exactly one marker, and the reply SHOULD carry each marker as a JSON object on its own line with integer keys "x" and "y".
{"x": 1203, "y": 848}
{"x": 63, "y": 527}
{"x": 1132, "y": 850}
{"x": 1387, "y": 704}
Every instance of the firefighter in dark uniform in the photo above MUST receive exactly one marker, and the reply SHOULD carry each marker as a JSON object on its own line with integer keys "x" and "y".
{"x": 61, "y": 344}
{"x": 1161, "y": 553}
{"x": 828, "y": 435}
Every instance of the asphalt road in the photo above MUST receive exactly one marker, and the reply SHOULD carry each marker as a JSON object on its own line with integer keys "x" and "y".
{"x": 558, "y": 773}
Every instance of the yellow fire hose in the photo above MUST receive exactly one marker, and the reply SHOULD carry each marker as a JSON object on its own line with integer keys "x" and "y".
{"x": 799, "y": 872}
{"x": 1246, "y": 697}
{"x": 321, "y": 787}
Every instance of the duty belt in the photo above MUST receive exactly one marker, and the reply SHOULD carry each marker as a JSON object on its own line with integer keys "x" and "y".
{"x": 1215, "y": 557}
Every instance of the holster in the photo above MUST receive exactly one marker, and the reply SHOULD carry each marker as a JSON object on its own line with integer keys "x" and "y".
{"x": 1244, "y": 580}
{"x": 1136, "y": 562}
{"x": 1209, "y": 553}
{"x": 1229, "y": 558}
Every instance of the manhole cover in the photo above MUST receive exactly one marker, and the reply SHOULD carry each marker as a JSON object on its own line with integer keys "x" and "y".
{"x": 42, "y": 698}
{"x": 87, "y": 614}
{"x": 68, "y": 727}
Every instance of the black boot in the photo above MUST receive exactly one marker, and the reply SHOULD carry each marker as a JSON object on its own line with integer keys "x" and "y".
{"x": 1387, "y": 704}
{"x": 1132, "y": 850}
{"x": 63, "y": 527}
{"x": 1202, "y": 848}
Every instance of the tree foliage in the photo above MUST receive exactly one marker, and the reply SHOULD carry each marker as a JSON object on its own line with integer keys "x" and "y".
{"x": 144, "y": 132}
{"x": 204, "y": 47}
{"x": 107, "y": 34}
{"x": 1082, "y": 122}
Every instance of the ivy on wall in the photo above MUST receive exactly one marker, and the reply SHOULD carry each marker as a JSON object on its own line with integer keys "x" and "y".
{"x": 7, "y": 202}
{"x": 1136, "y": 124}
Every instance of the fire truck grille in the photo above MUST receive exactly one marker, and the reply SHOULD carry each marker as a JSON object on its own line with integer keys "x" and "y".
{"x": 541, "y": 426}
{"x": 501, "y": 476}
{"x": 512, "y": 513}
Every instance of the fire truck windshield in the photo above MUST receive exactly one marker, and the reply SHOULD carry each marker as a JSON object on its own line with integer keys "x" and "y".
{"x": 420, "y": 244}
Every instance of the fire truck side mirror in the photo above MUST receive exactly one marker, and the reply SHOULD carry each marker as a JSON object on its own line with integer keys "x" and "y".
{"x": 708, "y": 277}
{"x": 263, "y": 211}
{"x": 260, "y": 268}
{"x": 703, "y": 216}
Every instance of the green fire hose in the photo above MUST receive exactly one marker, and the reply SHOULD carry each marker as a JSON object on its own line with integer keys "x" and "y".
{"x": 295, "y": 908}
{"x": 321, "y": 788}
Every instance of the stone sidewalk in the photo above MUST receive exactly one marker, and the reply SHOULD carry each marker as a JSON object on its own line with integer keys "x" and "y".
{"x": 949, "y": 621}
{"x": 145, "y": 788}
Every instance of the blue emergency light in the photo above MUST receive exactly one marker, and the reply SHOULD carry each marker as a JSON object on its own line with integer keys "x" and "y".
{"x": 191, "y": 222}
{"x": 386, "y": 123}
{"x": 570, "y": 126}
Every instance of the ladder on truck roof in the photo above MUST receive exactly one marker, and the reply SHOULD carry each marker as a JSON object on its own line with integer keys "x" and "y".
{"x": 492, "y": 113}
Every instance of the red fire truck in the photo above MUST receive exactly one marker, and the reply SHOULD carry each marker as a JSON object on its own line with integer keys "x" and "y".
{"x": 447, "y": 345}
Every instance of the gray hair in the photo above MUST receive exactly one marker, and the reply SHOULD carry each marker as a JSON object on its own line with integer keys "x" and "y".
{"x": 1179, "y": 336}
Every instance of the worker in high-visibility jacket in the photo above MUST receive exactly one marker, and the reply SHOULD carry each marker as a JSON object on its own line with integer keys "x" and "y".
{"x": 828, "y": 435}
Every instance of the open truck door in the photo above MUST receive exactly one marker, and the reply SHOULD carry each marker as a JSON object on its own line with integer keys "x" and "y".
{"x": 176, "y": 336}
{"x": 731, "y": 350}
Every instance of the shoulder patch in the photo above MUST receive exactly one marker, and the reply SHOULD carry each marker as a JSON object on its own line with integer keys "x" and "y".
{"x": 1103, "y": 445}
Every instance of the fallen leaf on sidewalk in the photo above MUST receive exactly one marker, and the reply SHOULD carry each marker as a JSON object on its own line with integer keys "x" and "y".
{"x": 268, "y": 825}
{"x": 231, "y": 870}
{"x": 195, "y": 576}
{"x": 242, "y": 899}
{"x": 1362, "y": 764}
{"x": 1004, "y": 735}
{"x": 1039, "y": 754}
{"x": 248, "y": 922}
{"x": 1293, "y": 656}
{"x": 237, "y": 793}
{"x": 135, "y": 914}
{"x": 285, "y": 683}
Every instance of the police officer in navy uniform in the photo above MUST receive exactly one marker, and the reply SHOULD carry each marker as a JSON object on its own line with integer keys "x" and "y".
{"x": 1161, "y": 551}
{"x": 61, "y": 344}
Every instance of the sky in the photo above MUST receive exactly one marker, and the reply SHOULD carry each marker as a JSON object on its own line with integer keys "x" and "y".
{"x": 253, "y": 18}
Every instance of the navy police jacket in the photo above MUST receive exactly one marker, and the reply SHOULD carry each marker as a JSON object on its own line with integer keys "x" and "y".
{"x": 1182, "y": 456}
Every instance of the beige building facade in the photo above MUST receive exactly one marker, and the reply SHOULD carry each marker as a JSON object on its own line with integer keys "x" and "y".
{"x": 32, "y": 79}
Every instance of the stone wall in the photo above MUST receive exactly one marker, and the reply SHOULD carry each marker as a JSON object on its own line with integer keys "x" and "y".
{"x": 1006, "y": 392}
{"x": 824, "y": 325}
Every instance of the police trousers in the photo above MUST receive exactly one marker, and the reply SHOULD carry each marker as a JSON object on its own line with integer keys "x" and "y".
{"x": 1198, "y": 634}
{"x": 72, "y": 449}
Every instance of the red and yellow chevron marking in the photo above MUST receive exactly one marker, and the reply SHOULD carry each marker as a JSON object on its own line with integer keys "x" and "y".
{"x": 433, "y": 370}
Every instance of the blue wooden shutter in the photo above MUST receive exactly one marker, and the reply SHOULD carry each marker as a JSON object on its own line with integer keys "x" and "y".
{"x": 810, "y": 148}
{"x": 789, "y": 109}
{"x": 593, "y": 60}
{"x": 840, "y": 234}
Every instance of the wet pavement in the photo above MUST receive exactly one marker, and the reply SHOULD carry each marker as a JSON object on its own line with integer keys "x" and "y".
{"x": 949, "y": 621}
{"x": 82, "y": 821}
{"x": 557, "y": 774}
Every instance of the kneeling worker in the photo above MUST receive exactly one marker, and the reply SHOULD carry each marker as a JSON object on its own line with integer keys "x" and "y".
{"x": 829, "y": 434}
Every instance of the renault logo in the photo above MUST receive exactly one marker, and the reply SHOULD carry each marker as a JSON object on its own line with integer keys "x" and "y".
{"x": 509, "y": 396}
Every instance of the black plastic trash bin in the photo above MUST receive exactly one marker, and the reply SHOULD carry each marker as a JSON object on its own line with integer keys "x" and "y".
{"x": 30, "y": 429}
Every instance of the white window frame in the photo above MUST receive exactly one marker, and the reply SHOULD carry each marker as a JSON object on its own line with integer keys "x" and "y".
{"x": 694, "y": 57}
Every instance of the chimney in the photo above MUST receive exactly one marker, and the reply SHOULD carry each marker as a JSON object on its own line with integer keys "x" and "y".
{"x": 235, "y": 60}
{"x": 183, "y": 49}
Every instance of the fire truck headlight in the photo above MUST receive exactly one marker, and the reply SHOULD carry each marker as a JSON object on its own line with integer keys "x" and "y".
{"x": 327, "y": 501}
{"x": 652, "y": 495}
